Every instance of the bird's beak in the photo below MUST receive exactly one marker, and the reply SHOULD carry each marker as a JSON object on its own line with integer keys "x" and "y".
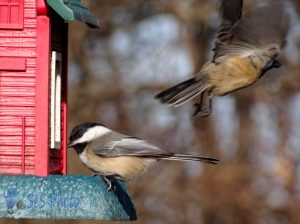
{"x": 70, "y": 145}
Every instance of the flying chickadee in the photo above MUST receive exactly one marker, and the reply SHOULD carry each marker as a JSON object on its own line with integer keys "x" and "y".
{"x": 111, "y": 154}
{"x": 245, "y": 49}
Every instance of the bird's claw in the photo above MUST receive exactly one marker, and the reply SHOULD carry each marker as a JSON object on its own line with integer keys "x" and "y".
{"x": 108, "y": 182}
{"x": 201, "y": 111}
{"x": 110, "y": 185}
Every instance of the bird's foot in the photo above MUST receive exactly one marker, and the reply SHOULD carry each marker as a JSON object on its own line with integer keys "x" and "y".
{"x": 201, "y": 111}
{"x": 110, "y": 185}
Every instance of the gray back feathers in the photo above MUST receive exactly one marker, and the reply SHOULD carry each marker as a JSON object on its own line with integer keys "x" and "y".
{"x": 115, "y": 144}
{"x": 121, "y": 145}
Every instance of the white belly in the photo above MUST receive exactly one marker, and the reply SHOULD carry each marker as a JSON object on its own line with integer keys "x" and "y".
{"x": 126, "y": 167}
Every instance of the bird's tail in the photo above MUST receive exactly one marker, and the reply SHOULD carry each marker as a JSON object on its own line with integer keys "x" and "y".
{"x": 183, "y": 92}
{"x": 189, "y": 157}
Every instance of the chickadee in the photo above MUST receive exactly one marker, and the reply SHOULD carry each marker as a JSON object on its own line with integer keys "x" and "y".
{"x": 111, "y": 154}
{"x": 245, "y": 49}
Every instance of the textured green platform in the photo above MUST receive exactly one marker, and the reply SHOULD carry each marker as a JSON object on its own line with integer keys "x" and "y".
{"x": 63, "y": 197}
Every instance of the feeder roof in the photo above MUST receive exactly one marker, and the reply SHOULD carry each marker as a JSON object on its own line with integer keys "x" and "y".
{"x": 74, "y": 10}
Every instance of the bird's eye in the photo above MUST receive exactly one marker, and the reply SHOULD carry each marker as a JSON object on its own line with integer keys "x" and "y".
{"x": 276, "y": 64}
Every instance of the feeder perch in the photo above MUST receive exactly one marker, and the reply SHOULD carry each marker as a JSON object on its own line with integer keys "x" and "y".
{"x": 63, "y": 197}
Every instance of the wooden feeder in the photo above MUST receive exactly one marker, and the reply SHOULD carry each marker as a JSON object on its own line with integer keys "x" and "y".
{"x": 33, "y": 83}
{"x": 33, "y": 109}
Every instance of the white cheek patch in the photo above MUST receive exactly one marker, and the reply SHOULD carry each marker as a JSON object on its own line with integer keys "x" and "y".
{"x": 99, "y": 131}
{"x": 92, "y": 134}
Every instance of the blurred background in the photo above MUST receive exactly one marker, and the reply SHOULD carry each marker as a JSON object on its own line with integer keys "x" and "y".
{"x": 145, "y": 46}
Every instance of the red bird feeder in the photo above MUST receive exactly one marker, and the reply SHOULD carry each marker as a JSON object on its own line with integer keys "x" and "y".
{"x": 33, "y": 83}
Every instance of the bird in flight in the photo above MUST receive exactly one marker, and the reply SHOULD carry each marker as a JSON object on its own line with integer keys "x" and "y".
{"x": 246, "y": 47}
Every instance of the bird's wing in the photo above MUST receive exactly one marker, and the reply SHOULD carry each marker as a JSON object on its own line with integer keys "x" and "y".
{"x": 231, "y": 11}
{"x": 129, "y": 146}
{"x": 263, "y": 27}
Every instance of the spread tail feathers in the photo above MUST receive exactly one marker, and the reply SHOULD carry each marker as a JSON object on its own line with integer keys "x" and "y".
{"x": 188, "y": 157}
{"x": 182, "y": 92}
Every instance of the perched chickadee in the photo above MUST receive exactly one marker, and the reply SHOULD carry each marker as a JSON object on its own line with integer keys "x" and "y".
{"x": 110, "y": 153}
{"x": 245, "y": 49}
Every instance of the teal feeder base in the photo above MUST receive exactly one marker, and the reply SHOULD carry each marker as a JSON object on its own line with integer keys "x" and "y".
{"x": 64, "y": 197}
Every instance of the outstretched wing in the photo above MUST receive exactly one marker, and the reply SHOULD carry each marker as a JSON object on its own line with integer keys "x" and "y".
{"x": 231, "y": 11}
{"x": 262, "y": 27}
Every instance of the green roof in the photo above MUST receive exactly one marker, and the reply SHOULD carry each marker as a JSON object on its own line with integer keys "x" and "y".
{"x": 74, "y": 10}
